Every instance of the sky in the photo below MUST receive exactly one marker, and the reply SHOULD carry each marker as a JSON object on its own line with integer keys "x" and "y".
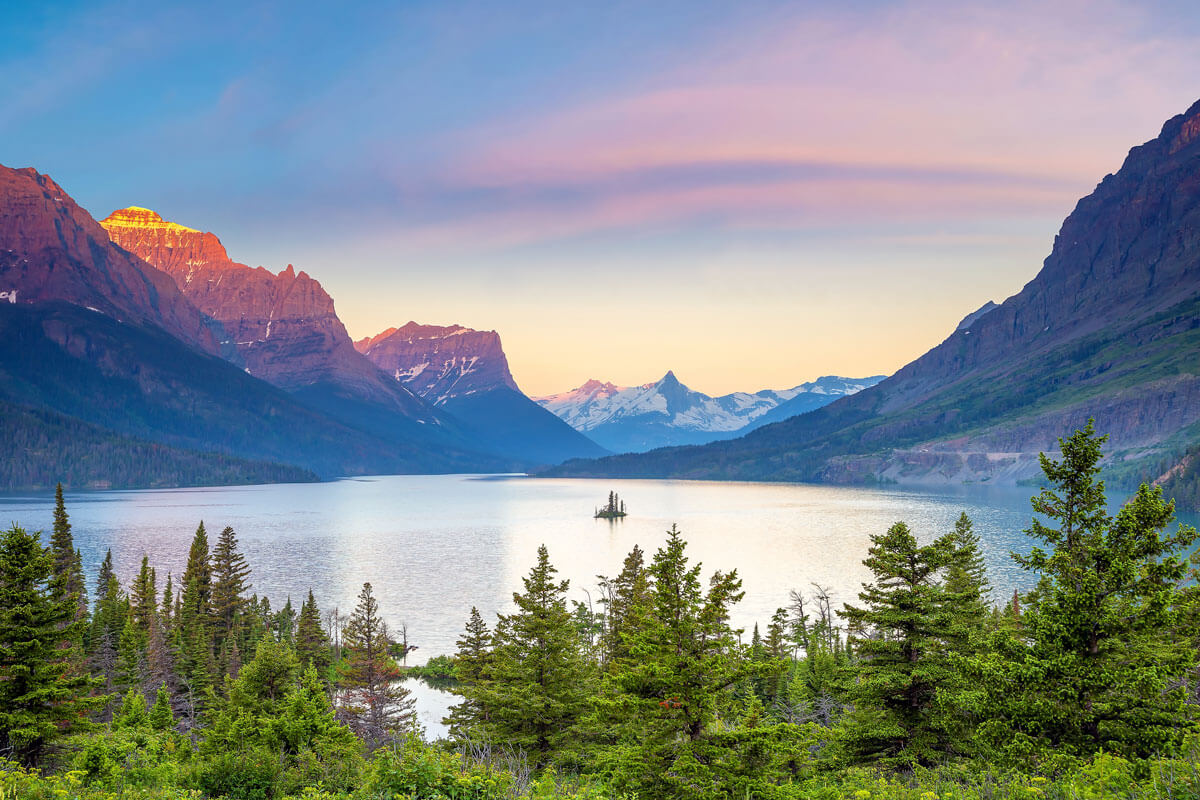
{"x": 751, "y": 194}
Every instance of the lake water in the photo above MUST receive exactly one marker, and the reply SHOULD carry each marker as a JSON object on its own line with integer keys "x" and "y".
{"x": 433, "y": 546}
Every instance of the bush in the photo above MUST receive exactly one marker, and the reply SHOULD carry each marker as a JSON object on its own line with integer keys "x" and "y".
{"x": 416, "y": 769}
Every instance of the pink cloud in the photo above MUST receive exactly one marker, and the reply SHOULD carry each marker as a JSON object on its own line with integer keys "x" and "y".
{"x": 1039, "y": 102}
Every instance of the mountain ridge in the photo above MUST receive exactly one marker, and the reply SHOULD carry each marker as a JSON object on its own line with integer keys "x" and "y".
{"x": 666, "y": 412}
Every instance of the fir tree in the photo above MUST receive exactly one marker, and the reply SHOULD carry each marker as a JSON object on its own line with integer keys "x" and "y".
{"x": 130, "y": 670}
{"x": 966, "y": 584}
{"x": 230, "y": 576}
{"x": 1098, "y": 661}
{"x": 143, "y": 597}
{"x": 539, "y": 684}
{"x": 312, "y": 644}
{"x": 111, "y": 612}
{"x": 473, "y": 669}
{"x": 41, "y": 697}
{"x": 67, "y": 581}
{"x": 901, "y": 634}
{"x": 621, "y": 595}
{"x": 682, "y": 666}
{"x": 373, "y": 701}
{"x": 161, "y": 716}
{"x": 196, "y": 664}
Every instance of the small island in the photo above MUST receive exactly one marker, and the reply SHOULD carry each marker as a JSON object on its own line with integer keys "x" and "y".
{"x": 614, "y": 510}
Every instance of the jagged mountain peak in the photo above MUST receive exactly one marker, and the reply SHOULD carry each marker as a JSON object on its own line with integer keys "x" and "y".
{"x": 667, "y": 412}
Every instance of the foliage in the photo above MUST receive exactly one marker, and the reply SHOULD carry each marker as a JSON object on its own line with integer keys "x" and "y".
{"x": 1083, "y": 688}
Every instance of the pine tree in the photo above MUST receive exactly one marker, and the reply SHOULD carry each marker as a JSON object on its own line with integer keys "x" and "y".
{"x": 143, "y": 597}
{"x": 540, "y": 681}
{"x": 1097, "y": 660}
{"x": 312, "y": 644}
{"x": 473, "y": 669}
{"x": 111, "y": 611}
{"x": 230, "y": 575}
{"x": 901, "y": 634}
{"x": 683, "y": 664}
{"x": 130, "y": 670}
{"x": 41, "y": 696}
{"x": 67, "y": 581}
{"x": 196, "y": 664}
{"x": 161, "y": 716}
{"x": 374, "y": 703}
{"x": 621, "y": 595}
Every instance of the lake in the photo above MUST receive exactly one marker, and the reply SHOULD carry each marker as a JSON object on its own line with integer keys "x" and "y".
{"x": 433, "y": 546}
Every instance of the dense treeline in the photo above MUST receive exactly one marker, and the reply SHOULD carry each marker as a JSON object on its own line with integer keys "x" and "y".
{"x": 1083, "y": 687}
{"x": 54, "y": 448}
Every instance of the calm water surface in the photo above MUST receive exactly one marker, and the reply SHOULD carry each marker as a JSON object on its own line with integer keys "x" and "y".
{"x": 433, "y": 546}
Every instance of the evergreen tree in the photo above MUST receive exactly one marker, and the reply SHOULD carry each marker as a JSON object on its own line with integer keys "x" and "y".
{"x": 161, "y": 716}
{"x": 1097, "y": 660}
{"x": 473, "y": 669}
{"x": 539, "y": 684}
{"x": 682, "y": 666}
{"x": 312, "y": 644}
{"x": 168, "y": 601}
{"x": 374, "y": 703}
{"x": 196, "y": 663}
{"x": 230, "y": 576}
{"x": 111, "y": 611}
{"x": 966, "y": 581}
{"x": 131, "y": 658}
{"x": 143, "y": 597}
{"x": 284, "y": 623}
{"x": 67, "y": 581}
{"x": 902, "y": 633}
{"x": 621, "y": 595}
{"x": 41, "y": 696}
{"x": 276, "y": 717}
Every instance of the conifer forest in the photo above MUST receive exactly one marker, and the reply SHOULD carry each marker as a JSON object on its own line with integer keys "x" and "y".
{"x": 922, "y": 687}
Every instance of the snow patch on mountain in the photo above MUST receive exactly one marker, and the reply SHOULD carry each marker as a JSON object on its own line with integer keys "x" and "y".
{"x": 668, "y": 412}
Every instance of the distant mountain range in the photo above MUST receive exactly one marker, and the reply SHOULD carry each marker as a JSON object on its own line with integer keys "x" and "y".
{"x": 1110, "y": 329}
{"x": 667, "y": 413}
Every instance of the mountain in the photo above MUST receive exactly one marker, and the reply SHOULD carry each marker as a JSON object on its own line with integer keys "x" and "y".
{"x": 283, "y": 328}
{"x": 51, "y": 249}
{"x": 108, "y": 375}
{"x": 665, "y": 413}
{"x": 465, "y": 373}
{"x": 1109, "y": 328}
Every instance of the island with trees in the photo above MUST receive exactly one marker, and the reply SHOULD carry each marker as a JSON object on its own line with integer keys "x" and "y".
{"x": 615, "y": 509}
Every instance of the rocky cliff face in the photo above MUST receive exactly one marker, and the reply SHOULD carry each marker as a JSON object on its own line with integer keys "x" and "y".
{"x": 51, "y": 249}
{"x": 283, "y": 326}
{"x": 1110, "y": 328}
{"x": 440, "y": 362}
{"x": 465, "y": 374}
